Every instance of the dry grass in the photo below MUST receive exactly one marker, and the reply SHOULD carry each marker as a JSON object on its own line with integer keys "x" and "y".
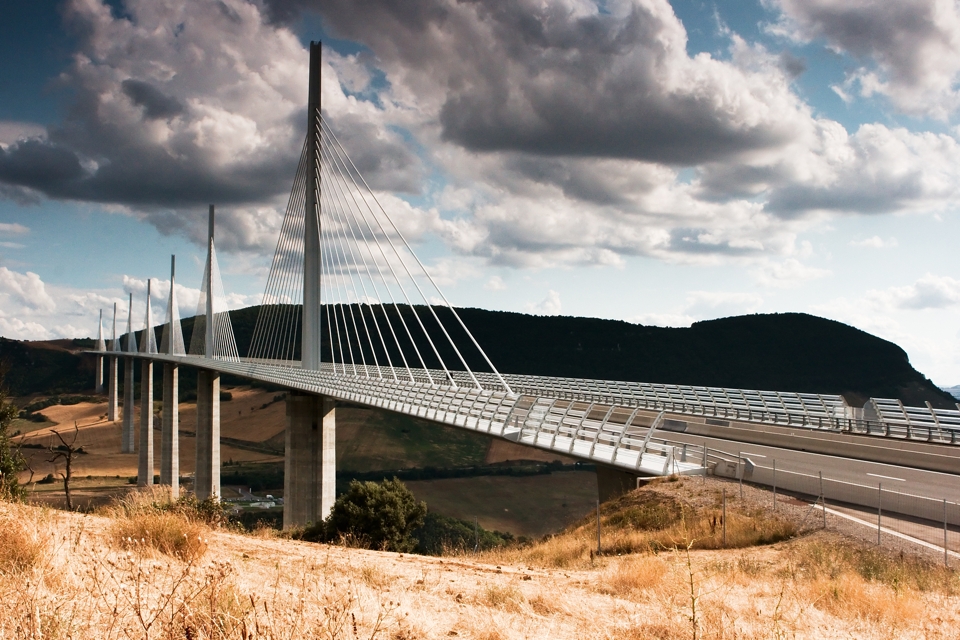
{"x": 21, "y": 545}
{"x": 502, "y": 596}
{"x": 146, "y": 519}
{"x": 648, "y": 520}
{"x": 169, "y": 533}
{"x": 634, "y": 574}
{"x": 82, "y": 579}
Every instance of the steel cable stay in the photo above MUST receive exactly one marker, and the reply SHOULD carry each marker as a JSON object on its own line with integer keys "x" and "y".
{"x": 335, "y": 298}
{"x": 336, "y": 209}
{"x": 343, "y": 294}
{"x": 339, "y": 155}
{"x": 266, "y": 333}
{"x": 353, "y": 281}
{"x": 279, "y": 314}
{"x": 386, "y": 284}
{"x": 343, "y": 208}
{"x": 338, "y": 146}
{"x": 353, "y": 272}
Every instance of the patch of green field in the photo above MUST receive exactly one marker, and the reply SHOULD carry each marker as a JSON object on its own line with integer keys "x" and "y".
{"x": 377, "y": 440}
{"x": 524, "y": 506}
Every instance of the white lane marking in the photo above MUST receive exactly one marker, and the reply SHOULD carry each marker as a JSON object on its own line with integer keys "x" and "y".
{"x": 877, "y": 475}
{"x": 922, "y": 543}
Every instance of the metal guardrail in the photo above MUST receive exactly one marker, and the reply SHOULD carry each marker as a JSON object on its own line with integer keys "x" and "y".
{"x": 881, "y": 417}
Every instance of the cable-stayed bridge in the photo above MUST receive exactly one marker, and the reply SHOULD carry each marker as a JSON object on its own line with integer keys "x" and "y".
{"x": 350, "y": 314}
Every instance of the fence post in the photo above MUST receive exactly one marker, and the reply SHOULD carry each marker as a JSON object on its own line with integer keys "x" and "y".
{"x": 774, "y": 484}
{"x": 704, "y": 462}
{"x": 946, "y": 560}
{"x": 879, "y": 509}
{"x": 742, "y": 470}
{"x": 723, "y": 518}
{"x": 823, "y": 502}
{"x": 598, "y": 526}
{"x": 476, "y": 534}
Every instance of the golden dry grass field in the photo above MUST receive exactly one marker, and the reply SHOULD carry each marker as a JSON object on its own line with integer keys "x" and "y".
{"x": 132, "y": 571}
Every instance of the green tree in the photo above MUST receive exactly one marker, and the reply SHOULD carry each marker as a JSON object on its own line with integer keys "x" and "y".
{"x": 11, "y": 462}
{"x": 378, "y": 515}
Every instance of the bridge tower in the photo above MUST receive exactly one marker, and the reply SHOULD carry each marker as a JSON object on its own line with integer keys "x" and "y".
{"x": 101, "y": 346}
{"x": 206, "y": 481}
{"x": 112, "y": 383}
{"x": 171, "y": 344}
{"x": 148, "y": 346}
{"x": 126, "y": 433}
{"x": 310, "y": 441}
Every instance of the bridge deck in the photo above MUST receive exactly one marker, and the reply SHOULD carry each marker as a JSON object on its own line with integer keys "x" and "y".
{"x": 607, "y": 434}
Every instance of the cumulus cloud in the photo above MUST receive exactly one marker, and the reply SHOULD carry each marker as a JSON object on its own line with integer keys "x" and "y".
{"x": 495, "y": 283}
{"x": 910, "y": 48}
{"x": 875, "y": 242}
{"x": 713, "y": 304}
{"x": 13, "y": 229}
{"x": 176, "y": 105}
{"x": 532, "y": 134}
{"x": 26, "y": 289}
{"x": 929, "y": 292}
{"x": 786, "y": 273}
{"x": 566, "y": 79}
{"x": 549, "y": 306}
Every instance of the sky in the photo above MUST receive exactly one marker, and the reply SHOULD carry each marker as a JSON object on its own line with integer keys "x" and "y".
{"x": 655, "y": 162}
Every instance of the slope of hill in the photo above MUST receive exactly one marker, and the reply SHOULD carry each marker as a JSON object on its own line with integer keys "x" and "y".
{"x": 133, "y": 571}
{"x": 784, "y": 352}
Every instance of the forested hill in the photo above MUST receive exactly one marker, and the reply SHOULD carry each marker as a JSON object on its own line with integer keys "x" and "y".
{"x": 784, "y": 352}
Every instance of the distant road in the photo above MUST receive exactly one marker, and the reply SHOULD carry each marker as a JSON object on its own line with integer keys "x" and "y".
{"x": 931, "y": 484}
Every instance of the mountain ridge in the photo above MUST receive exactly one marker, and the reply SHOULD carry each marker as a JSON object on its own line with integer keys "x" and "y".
{"x": 776, "y": 352}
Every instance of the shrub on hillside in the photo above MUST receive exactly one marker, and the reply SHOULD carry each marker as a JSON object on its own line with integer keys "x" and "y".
{"x": 167, "y": 532}
{"x": 375, "y": 515}
{"x": 11, "y": 462}
{"x": 442, "y": 535}
{"x": 20, "y": 546}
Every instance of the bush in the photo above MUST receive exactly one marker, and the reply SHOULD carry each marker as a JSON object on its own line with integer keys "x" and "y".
{"x": 440, "y": 535}
{"x": 167, "y": 532}
{"x": 20, "y": 546}
{"x": 375, "y": 515}
{"x": 11, "y": 462}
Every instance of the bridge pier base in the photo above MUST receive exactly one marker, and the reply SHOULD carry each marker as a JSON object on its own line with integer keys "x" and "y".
{"x": 169, "y": 430}
{"x": 613, "y": 483}
{"x": 206, "y": 480}
{"x": 126, "y": 433}
{"x": 112, "y": 391}
{"x": 145, "y": 467}
{"x": 310, "y": 461}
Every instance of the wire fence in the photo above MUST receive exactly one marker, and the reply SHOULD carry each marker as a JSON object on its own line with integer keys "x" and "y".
{"x": 900, "y": 519}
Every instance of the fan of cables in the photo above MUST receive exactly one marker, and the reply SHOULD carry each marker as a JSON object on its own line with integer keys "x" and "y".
{"x": 382, "y": 314}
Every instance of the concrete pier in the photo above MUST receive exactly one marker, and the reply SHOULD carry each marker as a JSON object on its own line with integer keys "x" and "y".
{"x": 145, "y": 467}
{"x": 613, "y": 482}
{"x": 98, "y": 385}
{"x": 169, "y": 430}
{"x": 126, "y": 433}
{"x": 206, "y": 483}
{"x": 310, "y": 463}
{"x": 112, "y": 408}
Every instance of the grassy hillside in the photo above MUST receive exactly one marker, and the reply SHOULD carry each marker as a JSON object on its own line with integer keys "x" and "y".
{"x": 785, "y": 352}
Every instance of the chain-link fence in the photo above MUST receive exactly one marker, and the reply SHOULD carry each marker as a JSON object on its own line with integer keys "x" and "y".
{"x": 900, "y": 519}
